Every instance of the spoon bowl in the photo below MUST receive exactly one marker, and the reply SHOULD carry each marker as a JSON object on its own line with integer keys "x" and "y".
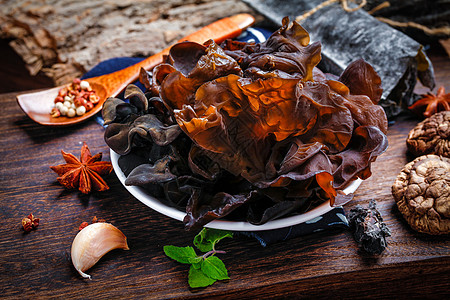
{"x": 38, "y": 105}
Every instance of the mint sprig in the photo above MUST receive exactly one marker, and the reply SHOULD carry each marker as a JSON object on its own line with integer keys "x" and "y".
{"x": 207, "y": 238}
{"x": 180, "y": 254}
{"x": 207, "y": 268}
{"x": 215, "y": 268}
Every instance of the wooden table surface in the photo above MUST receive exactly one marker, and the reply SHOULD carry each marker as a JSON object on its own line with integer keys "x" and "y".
{"x": 325, "y": 265}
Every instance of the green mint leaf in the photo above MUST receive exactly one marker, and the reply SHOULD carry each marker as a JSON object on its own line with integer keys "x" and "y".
{"x": 208, "y": 237}
{"x": 196, "y": 261}
{"x": 214, "y": 267}
{"x": 201, "y": 243}
{"x": 180, "y": 254}
{"x": 198, "y": 279}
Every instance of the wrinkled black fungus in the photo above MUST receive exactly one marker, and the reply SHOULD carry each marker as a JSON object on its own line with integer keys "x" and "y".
{"x": 368, "y": 228}
{"x": 252, "y": 131}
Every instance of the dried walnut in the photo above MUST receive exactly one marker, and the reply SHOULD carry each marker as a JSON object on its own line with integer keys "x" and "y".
{"x": 431, "y": 136}
{"x": 422, "y": 193}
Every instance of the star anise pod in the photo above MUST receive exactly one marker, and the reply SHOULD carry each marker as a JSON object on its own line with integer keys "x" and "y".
{"x": 431, "y": 104}
{"x": 84, "y": 173}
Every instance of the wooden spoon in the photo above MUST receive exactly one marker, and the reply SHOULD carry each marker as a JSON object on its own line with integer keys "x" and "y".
{"x": 39, "y": 104}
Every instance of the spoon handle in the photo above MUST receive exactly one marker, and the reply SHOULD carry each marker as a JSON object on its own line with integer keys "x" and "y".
{"x": 220, "y": 30}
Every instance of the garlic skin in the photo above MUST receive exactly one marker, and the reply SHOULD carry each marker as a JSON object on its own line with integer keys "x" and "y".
{"x": 94, "y": 241}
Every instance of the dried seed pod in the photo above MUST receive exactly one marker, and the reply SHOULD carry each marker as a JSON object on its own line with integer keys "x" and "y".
{"x": 29, "y": 223}
{"x": 369, "y": 230}
{"x": 422, "y": 193}
{"x": 94, "y": 241}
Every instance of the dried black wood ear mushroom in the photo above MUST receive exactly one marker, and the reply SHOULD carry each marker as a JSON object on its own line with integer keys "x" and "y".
{"x": 431, "y": 136}
{"x": 118, "y": 111}
{"x": 234, "y": 118}
{"x": 145, "y": 77}
{"x": 368, "y": 228}
{"x": 140, "y": 119}
{"x": 422, "y": 193}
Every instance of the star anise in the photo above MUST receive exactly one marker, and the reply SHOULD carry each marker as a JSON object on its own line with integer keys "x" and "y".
{"x": 84, "y": 173}
{"x": 431, "y": 104}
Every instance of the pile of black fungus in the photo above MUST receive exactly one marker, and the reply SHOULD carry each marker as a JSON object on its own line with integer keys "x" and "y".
{"x": 249, "y": 131}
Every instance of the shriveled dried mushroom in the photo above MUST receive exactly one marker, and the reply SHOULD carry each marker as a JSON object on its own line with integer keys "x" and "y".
{"x": 422, "y": 193}
{"x": 368, "y": 228}
{"x": 431, "y": 136}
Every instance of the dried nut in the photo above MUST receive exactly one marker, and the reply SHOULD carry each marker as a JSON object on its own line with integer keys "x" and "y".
{"x": 64, "y": 109}
{"x": 84, "y": 85}
{"x": 94, "y": 241}
{"x": 81, "y": 110}
{"x": 79, "y": 101}
{"x": 71, "y": 112}
{"x": 77, "y": 94}
{"x": 422, "y": 193}
{"x": 59, "y": 105}
{"x": 94, "y": 98}
{"x": 89, "y": 106}
{"x": 55, "y": 112}
{"x": 431, "y": 136}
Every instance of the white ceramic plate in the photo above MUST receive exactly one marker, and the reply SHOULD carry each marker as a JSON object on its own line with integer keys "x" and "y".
{"x": 143, "y": 196}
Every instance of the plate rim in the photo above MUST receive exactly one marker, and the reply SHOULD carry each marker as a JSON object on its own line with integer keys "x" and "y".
{"x": 143, "y": 196}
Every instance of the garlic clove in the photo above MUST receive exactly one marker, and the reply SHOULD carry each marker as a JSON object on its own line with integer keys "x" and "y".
{"x": 94, "y": 241}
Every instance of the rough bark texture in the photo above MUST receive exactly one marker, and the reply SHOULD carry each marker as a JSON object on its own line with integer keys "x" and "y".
{"x": 65, "y": 38}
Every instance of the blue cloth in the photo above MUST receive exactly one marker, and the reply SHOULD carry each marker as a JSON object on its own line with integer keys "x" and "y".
{"x": 334, "y": 219}
{"x": 110, "y": 66}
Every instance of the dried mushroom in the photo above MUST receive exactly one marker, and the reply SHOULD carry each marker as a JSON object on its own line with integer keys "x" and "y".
{"x": 422, "y": 193}
{"x": 130, "y": 123}
{"x": 252, "y": 131}
{"x": 368, "y": 228}
{"x": 431, "y": 136}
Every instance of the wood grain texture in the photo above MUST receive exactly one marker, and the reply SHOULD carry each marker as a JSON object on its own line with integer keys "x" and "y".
{"x": 322, "y": 265}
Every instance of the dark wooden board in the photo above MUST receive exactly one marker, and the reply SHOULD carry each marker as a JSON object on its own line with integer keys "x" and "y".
{"x": 325, "y": 265}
